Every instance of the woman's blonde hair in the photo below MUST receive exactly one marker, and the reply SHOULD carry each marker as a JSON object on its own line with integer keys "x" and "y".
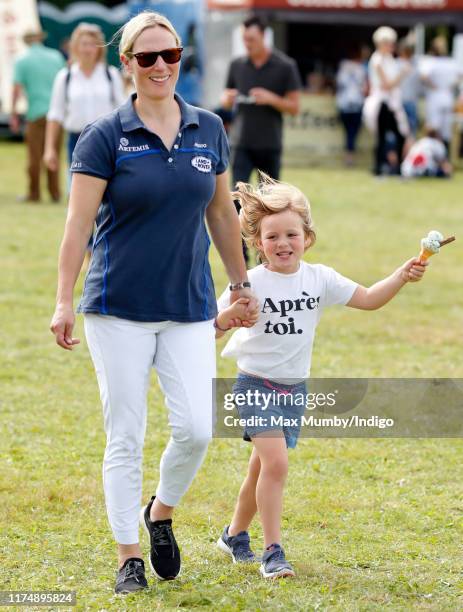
{"x": 384, "y": 34}
{"x": 88, "y": 29}
{"x": 269, "y": 198}
{"x": 132, "y": 29}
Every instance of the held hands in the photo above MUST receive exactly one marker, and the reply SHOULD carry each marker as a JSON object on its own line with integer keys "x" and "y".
{"x": 412, "y": 270}
{"x": 252, "y": 308}
{"x": 239, "y": 314}
{"x": 62, "y": 325}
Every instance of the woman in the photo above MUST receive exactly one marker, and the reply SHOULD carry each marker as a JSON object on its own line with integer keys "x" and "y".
{"x": 383, "y": 110}
{"x": 84, "y": 91}
{"x": 158, "y": 166}
{"x": 441, "y": 75}
{"x": 351, "y": 86}
{"x": 410, "y": 86}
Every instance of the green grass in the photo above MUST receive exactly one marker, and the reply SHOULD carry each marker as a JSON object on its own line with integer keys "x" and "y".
{"x": 369, "y": 524}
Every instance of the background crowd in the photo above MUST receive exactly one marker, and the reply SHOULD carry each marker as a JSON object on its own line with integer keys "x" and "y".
{"x": 408, "y": 103}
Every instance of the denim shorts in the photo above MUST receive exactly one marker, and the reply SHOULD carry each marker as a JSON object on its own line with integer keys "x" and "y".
{"x": 270, "y": 406}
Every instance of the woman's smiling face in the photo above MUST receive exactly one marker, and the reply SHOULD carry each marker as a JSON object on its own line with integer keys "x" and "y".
{"x": 157, "y": 81}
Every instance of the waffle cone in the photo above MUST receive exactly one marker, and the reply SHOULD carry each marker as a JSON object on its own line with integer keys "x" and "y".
{"x": 425, "y": 254}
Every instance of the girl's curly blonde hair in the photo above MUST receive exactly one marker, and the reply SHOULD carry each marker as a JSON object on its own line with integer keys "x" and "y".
{"x": 269, "y": 198}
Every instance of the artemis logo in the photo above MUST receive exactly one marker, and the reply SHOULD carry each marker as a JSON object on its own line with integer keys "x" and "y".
{"x": 124, "y": 146}
{"x": 203, "y": 164}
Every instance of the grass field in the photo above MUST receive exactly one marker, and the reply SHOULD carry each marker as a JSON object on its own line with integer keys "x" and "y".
{"x": 369, "y": 524}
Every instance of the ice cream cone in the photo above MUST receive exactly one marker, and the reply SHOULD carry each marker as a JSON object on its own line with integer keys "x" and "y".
{"x": 425, "y": 254}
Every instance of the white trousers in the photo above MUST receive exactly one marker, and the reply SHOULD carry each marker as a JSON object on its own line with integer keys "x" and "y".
{"x": 123, "y": 353}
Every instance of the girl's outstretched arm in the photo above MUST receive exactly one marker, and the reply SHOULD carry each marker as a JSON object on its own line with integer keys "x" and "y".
{"x": 383, "y": 291}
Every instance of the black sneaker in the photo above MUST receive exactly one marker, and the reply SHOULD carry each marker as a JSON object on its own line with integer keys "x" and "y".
{"x": 274, "y": 564}
{"x": 164, "y": 554}
{"x": 237, "y": 546}
{"x": 131, "y": 577}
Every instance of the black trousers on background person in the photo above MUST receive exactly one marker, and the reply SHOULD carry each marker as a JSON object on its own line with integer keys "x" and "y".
{"x": 244, "y": 161}
{"x": 352, "y": 123}
{"x": 387, "y": 123}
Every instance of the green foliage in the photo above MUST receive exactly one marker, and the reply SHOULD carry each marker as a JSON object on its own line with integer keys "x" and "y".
{"x": 369, "y": 524}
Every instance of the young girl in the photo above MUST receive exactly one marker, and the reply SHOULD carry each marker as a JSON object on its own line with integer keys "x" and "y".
{"x": 274, "y": 355}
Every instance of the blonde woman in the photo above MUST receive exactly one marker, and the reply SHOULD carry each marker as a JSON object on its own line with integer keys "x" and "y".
{"x": 158, "y": 165}
{"x": 383, "y": 110}
{"x": 87, "y": 89}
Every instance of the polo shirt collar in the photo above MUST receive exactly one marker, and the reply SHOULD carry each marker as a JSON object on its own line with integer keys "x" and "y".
{"x": 131, "y": 121}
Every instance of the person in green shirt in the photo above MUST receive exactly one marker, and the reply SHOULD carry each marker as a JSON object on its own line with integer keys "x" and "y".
{"x": 34, "y": 73}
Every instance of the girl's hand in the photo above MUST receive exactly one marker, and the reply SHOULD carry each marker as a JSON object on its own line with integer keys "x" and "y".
{"x": 239, "y": 315}
{"x": 237, "y": 312}
{"x": 253, "y": 304}
{"x": 412, "y": 271}
{"x": 62, "y": 325}
{"x": 251, "y": 317}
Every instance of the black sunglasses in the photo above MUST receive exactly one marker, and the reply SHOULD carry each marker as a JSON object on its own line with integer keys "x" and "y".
{"x": 145, "y": 60}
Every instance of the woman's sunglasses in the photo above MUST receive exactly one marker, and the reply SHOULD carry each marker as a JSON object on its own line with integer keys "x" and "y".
{"x": 145, "y": 60}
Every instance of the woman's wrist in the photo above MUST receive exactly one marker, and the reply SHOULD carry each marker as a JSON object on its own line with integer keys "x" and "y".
{"x": 240, "y": 285}
{"x": 64, "y": 303}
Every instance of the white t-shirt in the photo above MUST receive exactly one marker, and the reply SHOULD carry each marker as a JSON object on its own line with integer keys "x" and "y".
{"x": 391, "y": 97}
{"x": 279, "y": 346}
{"x": 88, "y": 97}
{"x": 425, "y": 155}
{"x": 391, "y": 69}
{"x": 444, "y": 74}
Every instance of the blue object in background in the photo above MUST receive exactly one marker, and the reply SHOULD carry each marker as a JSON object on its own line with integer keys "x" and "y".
{"x": 187, "y": 17}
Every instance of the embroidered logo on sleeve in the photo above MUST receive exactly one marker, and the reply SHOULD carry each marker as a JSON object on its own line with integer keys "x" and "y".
{"x": 203, "y": 164}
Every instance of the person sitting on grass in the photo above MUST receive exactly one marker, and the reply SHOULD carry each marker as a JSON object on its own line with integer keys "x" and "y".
{"x": 274, "y": 355}
{"x": 427, "y": 157}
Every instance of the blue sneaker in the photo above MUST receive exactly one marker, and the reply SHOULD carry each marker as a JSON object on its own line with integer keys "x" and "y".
{"x": 237, "y": 546}
{"x": 274, "y": 564}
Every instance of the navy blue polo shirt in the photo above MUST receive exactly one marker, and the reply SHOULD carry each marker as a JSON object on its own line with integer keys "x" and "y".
{"x": 150, "y": 255}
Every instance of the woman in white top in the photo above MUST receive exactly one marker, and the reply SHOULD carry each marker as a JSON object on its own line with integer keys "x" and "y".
{"x": 383, "y": 111}
{"x": 440, "y": 75}
{"x": 84, "y": 91}
{"x": 351, "y": 87}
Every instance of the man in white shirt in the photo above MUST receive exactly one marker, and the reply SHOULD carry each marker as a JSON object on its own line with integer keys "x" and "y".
{"x": 440, "y": 75}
